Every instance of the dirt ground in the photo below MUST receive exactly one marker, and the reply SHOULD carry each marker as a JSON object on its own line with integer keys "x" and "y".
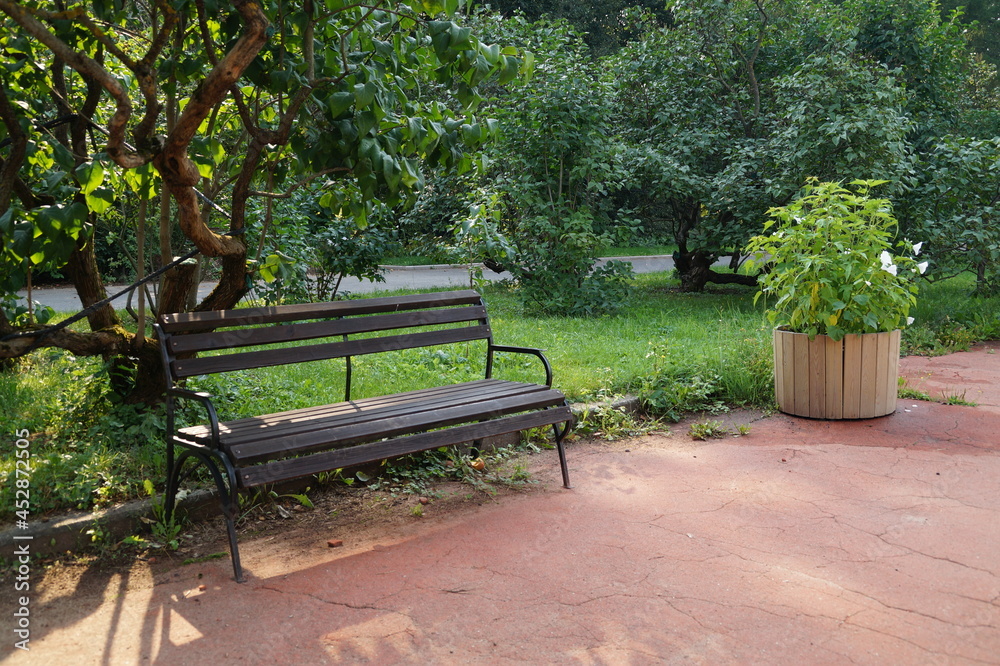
{"x": 341, "y": 516}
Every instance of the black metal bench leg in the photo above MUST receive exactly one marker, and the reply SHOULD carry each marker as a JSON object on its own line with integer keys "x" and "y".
{"x": 234, "y": 549}
{"x": 228, "y": 495}
{"x": 560, "y": 434}
{"x": 173, "y": 481}
{"x": 230, "y": 510}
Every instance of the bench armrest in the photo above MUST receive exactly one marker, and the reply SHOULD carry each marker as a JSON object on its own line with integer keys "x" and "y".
{"x": 519, "y": 350}
{"x": 198, "y": 396}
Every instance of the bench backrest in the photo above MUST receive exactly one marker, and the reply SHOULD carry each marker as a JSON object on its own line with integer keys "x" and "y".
{"x": 386, "y": 323}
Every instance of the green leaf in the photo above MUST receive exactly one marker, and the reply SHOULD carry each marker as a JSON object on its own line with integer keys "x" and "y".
{"x": 90, "y": 175}
{"x": 100, "y": 200}
{"x": 364, "y": 94}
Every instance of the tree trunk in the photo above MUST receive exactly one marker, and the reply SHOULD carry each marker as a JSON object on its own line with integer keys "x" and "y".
{"x": 83, "y": 272}
{"x": 177, "y": 283}
{"x": 693, "y": 268}
{"x": 150, "y": 379}
{"x": 695, "y": 271}
{"x": 232, "y": 285}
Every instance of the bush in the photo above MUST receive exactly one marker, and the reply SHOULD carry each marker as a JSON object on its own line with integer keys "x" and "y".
{"x": 556, "y": 272}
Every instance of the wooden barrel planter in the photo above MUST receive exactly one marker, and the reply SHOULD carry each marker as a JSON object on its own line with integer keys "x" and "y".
{"x": 855, "y": 378}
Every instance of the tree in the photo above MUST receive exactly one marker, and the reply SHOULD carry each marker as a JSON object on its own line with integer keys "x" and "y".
{"x": 605, "y": 24}
{"x": 109, "y": 104}
{"x": 929, "y": 54}
{"x": 735, "y": 105}
{"x": 954, "y": 209}
{"x": 694, "y": 100}
{"x": 983, "y": 16}
{"x": 551, "y": 170}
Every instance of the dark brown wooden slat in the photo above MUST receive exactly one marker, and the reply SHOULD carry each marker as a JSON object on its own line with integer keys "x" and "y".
{"x": 201, "y": 321}
{"x": 320, "y": 462}
{"x": 247, "y": 337}
{"x": 266, "y": 430}
{"x": 288, "y": 355}
{"x": 352, "y": 433}
{"x": 370, "y": 407}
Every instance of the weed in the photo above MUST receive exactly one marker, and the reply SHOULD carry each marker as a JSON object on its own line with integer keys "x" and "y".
{"x": 136, "y": 541}
{"x": 417, "y": 511}
{"x": 743, "y": 429}
{"x": 166, "y": 531}
{"x": 956, "y": 399}
{"x": 98, "y": 535}
{"x": 671, "y": 396}
{"x": 204, "y": 558}
{"x": 302, "y": 498}
{"x": 335, "y": 476}
{"x": 707, "y": 430}
{"x": 610, "y": 423}
{"x": 905, "y": 392}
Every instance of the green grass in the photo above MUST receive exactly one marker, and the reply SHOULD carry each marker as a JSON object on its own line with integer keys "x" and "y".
{"x": 679, "y": 352}
{"x": 408, "y": 260}
{"x": 639, "y": 251}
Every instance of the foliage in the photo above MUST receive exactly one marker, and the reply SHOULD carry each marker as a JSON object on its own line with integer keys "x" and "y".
{"x": 245, "y": 101}
{"x": 606, "y": 24}
{"x": 732, "y": 106}
{"x": 840, "y": 117}
{"x": 312, "y": 250}
{"x": 927, "y": 51}
{"x": 87, "y": 451}
{"x": 166, "y": 531}
{"x": 709, "y": 429}
{"x": 611, "y": 423}
{"x": 981, "y": 16}
{"x": 829, "y": 269}
{"x": 950, "y": 316}
{"x": 556, "y": 272}
{"x": 415, "y": 473}
{"x": 954, "y": 206}
{"x": 553, "y": 167}
{"x": 672, "y": 396}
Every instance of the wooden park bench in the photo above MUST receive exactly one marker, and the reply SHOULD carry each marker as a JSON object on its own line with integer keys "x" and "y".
{"x": 271, "y": 448}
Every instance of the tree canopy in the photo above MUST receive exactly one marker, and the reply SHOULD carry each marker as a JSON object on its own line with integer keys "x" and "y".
{"x": 107, "y": 106}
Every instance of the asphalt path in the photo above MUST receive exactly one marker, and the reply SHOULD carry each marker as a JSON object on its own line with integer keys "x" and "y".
{"x": 64, "y": 298}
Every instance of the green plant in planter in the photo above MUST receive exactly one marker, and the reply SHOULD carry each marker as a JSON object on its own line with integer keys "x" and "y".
{"x": 831, "y": 266}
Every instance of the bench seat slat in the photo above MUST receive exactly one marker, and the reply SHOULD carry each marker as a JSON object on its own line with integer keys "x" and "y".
{"x": 271, "y": 357}
{"x": 294, "y": 332}
{"x": 320, "y": 433}
{"x": 318, "y": 462}
{"x": 271, "y": 425}
{"x": 189, "y": 321}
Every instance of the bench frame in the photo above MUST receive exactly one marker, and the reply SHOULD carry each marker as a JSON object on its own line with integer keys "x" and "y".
{"x": 487, "y": 407}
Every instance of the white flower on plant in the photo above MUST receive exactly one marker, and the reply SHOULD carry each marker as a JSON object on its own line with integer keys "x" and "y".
{"x": 887, "y": 264}
{"x": 868, "y": 282}
{"x": 909, "y": 321}
{"x": 922, "y": 266}
{"x": 916, "y": 249}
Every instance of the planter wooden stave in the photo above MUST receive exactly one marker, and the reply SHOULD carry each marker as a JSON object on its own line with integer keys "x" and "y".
{"x": 855, "y": 378}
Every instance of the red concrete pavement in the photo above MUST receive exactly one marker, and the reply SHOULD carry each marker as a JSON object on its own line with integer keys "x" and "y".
{"x": 805, "y": 542}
